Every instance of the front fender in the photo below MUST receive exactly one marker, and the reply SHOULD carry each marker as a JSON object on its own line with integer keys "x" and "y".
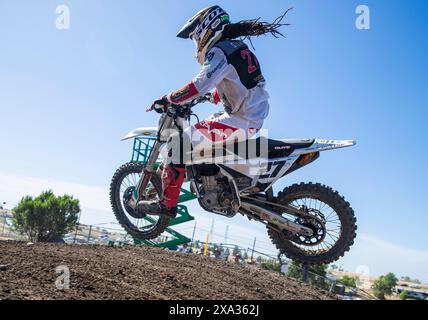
{"x": 148, "y": 132}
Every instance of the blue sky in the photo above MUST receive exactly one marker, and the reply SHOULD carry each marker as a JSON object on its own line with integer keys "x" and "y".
{"x": 67, "y": 97}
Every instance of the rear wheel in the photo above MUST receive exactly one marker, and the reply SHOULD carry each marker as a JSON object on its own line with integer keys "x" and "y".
{"x": 333, "y": 224}
{"x": 123, "y": 184}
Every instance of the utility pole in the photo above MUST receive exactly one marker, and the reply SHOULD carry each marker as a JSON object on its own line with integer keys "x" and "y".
{"x": 89, "y": 234}
{"x": 212, "y": 230}
{"x": 254, "y": 247}
{"x": 226, "y": 234}
{"x": 77, "y": 228}
{"x": 194, "y": 230}
{"x": 75, "y": 233}
{"x": 4, "y": 223}
{"x": 4, "y": 211}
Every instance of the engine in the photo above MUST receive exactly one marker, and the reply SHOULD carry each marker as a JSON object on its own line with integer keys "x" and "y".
{"x": 215, "y": 195}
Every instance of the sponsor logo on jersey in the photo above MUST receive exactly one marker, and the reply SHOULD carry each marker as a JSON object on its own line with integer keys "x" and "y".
{"x": 221, "y": 64}
{"x": 259, "y": 78}
{"x": 210, "y": 56}
{"x": 180, "y": 94}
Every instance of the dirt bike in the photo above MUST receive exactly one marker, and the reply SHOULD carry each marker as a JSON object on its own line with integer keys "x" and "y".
{"x": 310, "y": 223}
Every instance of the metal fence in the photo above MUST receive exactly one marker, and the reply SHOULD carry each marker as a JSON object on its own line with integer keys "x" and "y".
{"x": 97, "y": 235}
{"x": 328, "y": 283}
{"x": 7, "y": 231}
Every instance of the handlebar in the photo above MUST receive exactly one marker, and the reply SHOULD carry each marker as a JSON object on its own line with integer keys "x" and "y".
{"x": 185, "y": 110}
{"x": 186, "y": 107}
{"x": 180, "y": 111}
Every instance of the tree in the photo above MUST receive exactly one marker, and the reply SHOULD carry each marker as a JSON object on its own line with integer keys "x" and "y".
{"x": 295, "y": 270}
{"x": 404, "y": 295}
{"x": 271, "y": 265}
{"x": 316, "y": 274}
{"x": 349, "y": 281}
{"x": 47, "y": 217}
{"x": 384, "y": 285}
{"x": 408, "y": 279}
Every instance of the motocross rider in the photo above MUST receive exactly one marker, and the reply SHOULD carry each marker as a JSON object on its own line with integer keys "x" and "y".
{"x": 229, "y": 68}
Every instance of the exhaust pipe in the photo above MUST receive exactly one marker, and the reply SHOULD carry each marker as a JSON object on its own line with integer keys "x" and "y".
{"x": 276, "y": 219}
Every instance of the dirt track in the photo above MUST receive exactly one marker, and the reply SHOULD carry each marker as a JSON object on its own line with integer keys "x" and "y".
{"x": 136, "y": 273}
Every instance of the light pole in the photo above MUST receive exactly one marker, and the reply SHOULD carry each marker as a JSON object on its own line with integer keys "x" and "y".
{"x": 254, "y": 247}
{"x": 193, "y": 234}
{"x": 77, "y": 228}
{"x": 4, "y": 216}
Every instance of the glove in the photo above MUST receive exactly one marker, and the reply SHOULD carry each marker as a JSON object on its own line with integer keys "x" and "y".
{"x": 160, "y": 105}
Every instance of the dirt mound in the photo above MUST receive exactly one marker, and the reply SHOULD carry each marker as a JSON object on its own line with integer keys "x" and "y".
{"x": 28, "y": 272}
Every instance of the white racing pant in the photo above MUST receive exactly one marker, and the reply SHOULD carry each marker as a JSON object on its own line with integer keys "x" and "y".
{"x": 205, "y": 141}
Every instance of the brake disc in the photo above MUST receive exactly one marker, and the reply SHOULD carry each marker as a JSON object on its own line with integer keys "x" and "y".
{"x": 316, "y": 222}
{"x": 127, "y": 196}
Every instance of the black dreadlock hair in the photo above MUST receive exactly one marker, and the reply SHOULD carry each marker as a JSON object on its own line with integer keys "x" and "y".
{"x": 254, "y": 28}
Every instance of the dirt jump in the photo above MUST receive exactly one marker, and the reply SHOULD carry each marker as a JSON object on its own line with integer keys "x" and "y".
{"x": 106, "y": 273}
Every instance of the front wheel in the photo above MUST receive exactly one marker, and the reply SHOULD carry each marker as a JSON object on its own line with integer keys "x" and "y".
{"x": 334, "y": 224}
{"x": 122, "y": 185}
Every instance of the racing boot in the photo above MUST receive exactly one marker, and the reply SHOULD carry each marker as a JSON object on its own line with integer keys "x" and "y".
{"x": 172, "y": 180}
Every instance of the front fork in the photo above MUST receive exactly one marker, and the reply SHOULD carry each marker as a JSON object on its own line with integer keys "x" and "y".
{"x": 149, "y": 169}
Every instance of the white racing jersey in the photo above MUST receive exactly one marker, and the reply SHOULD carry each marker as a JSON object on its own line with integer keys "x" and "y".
{"x": 234, "y": 71}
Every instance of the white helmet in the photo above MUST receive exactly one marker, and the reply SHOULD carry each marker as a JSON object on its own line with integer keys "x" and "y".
{"x": 206, "y": 29}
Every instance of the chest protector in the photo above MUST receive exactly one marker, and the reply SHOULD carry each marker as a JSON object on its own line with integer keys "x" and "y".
{"x": 244, "y": 61}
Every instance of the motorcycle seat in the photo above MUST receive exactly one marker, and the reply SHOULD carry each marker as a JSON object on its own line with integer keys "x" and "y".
{"x": 295, "y": 144}
{"x": 275, "y": 148}
{"x": 283, "y": 148}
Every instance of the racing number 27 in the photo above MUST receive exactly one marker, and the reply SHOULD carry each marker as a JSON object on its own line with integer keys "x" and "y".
{"x": 246, "y": 54}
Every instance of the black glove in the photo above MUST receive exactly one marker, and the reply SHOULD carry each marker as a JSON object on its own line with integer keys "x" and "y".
{"x": 161, "y": 105}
